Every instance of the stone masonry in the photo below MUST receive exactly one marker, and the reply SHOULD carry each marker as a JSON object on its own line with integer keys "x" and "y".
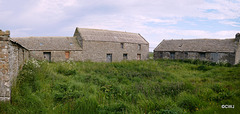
{"x": 4, "y": 67}
{"x": 12, "y": 58}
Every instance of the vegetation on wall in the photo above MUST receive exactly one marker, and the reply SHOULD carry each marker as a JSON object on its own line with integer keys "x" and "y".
{"x": 161, "y": 86}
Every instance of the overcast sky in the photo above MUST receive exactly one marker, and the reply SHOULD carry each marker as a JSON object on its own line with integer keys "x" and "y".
{"x": 153, "y": 19}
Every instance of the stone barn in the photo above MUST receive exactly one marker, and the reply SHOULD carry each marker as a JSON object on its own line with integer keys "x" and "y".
{"x": 214, "y": 50}
{"x": 104, "y": 45}
{"x": 87, "y": 44}
{"x": 52, "y": 48}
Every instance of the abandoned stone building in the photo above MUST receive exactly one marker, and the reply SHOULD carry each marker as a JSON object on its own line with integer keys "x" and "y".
{"x": 105, "y": 45}
{"x": 86, "y": 44}
{"x": 51, "y": 48}
{"x": 214, "y": 50}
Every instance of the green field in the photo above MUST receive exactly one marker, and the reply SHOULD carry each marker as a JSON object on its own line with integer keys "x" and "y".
{"x": 161, "y": 86}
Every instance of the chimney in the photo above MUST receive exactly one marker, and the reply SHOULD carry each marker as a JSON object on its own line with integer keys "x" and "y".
{"x": 237, "y": 37}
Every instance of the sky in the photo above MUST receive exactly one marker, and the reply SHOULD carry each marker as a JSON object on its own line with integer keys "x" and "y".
{"x": 155, "y": 20}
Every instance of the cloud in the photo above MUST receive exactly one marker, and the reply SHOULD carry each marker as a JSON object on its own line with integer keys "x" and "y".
{"x": 231, "y": 23}
{"x": 154, "y": 19}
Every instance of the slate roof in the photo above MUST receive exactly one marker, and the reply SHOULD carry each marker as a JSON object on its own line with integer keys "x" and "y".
{"x": 198, "y": 45}
{"x": 48, "y": 43}
{"x": 110, "y": 36}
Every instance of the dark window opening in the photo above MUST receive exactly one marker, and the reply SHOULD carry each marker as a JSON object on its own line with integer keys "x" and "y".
{"x": 202, "y": 55}
{"x": 161, "y": 54}
{"x": 122, "y": 45}
{"x": 139, "y": 46}
{"x": 172, "y": 55}
{"x": 185, "y": 55}
{"x": 125, "y": 56}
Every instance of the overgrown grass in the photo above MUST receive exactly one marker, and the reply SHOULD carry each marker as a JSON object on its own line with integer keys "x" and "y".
{"x": 161, "y": 86}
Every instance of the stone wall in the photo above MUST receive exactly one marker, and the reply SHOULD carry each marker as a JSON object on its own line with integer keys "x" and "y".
{"x": 97, "y": 51}
{"x": 12, "y": 58}
{"x": 222, "y": 57}
{"x": 57, "y": 55}
{"x": 237, "y": 59}
{"x": 4, "y": 67}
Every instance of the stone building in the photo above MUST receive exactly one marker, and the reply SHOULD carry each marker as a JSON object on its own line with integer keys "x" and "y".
{"x": 51, "y": 48}
{"x": 88, "y": 44}
{"x": 214, "y": 50}
{"x": 104, "y": 45}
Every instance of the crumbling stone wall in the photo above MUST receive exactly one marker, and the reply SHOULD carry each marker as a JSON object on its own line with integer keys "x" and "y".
{"x": 237, "y": 40}
{"x": 4, "y": 67}
{"x": 12, "y": 58}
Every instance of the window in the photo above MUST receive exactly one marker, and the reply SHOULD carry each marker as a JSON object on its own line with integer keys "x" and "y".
{"x": 202, "y": 55}
{"x": 125, "y": 56}
{"x": 185, "y": 55}
{"x": 138, "y": 56}
{"x": 67, "y": 54}
{"x": 109, "y": 57}
{"x": 172, "y": 55}
{"x": 122, "y": 45}
{"x": 139, "y": 46}
{"x": 161, "y": 54}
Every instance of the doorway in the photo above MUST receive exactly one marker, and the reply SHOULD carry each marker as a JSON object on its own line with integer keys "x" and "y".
{"x": 47, "y": 56}
{"x": 109, "y": 58}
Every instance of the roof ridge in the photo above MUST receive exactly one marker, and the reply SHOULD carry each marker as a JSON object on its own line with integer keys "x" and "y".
{"x": 45, "y": 37}
{"x": 197, "y": 39}
{"x": 107, "y": 30}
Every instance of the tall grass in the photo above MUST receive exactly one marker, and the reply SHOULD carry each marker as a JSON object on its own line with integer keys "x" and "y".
{"x": 161, "y": 86}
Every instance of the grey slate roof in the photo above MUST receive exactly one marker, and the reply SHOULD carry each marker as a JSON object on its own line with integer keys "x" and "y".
{"x": 48, "y": 43}
{"x": 112, "y": 36}
{"x": 198, "y": 45}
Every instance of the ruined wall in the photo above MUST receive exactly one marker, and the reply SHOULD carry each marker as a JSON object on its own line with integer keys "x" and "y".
{"x": 12, "y": 58}
{"x": 222, "y": 57}
{"x": 4, "y": 67}
{"x": 97, "y": 50}
{"x": 237, "y": 59}
{"x": 57, "y": 55}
